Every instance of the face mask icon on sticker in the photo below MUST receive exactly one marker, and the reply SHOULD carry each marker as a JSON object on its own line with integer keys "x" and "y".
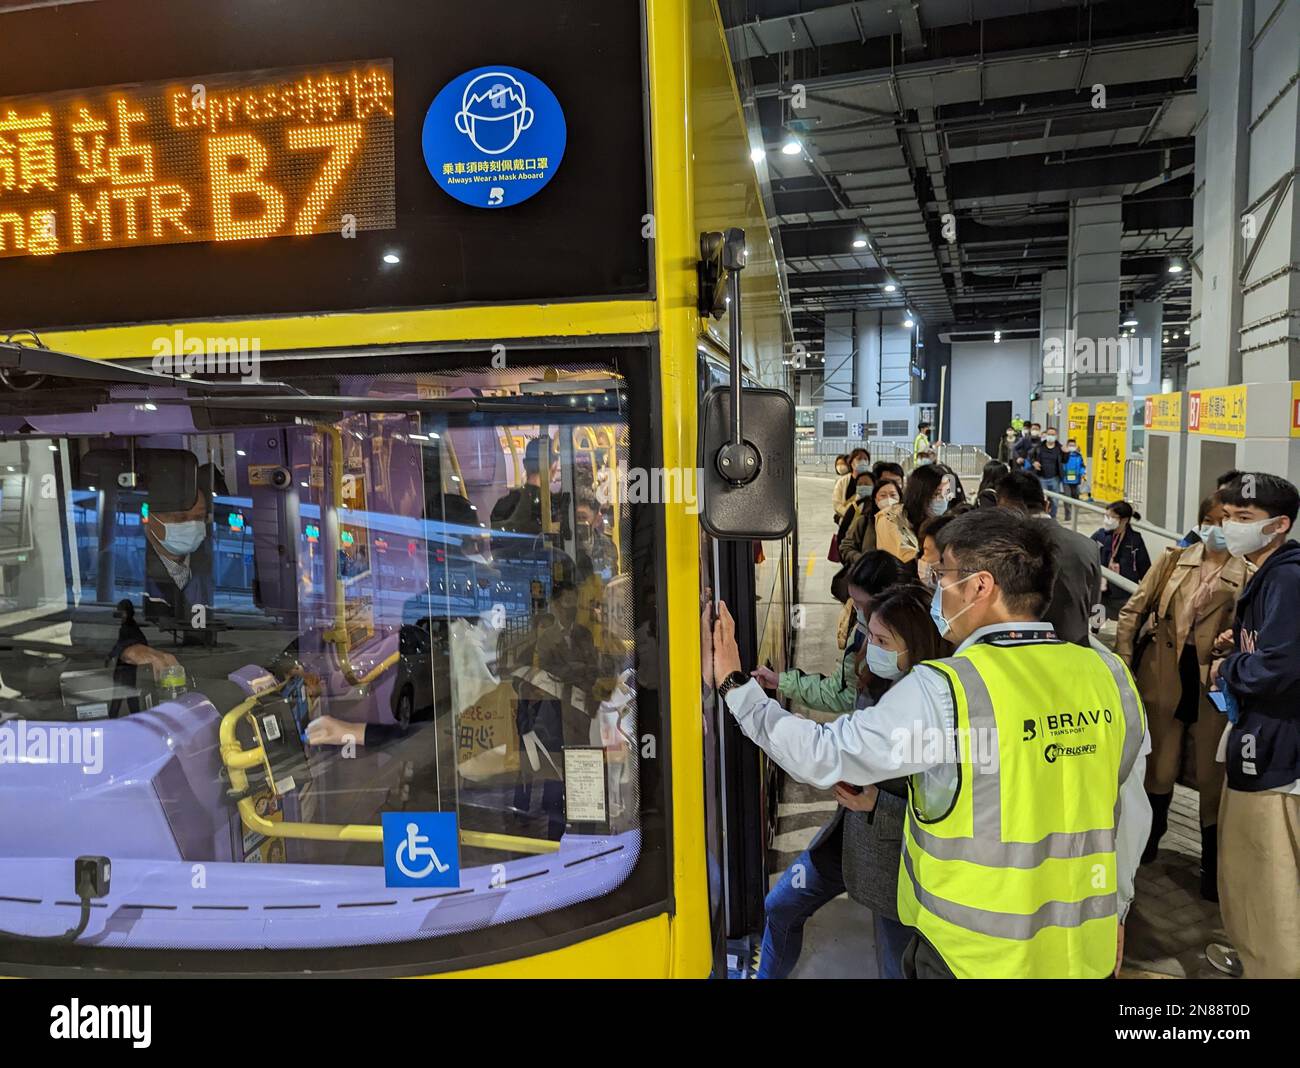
{"x": 494, "y": 112}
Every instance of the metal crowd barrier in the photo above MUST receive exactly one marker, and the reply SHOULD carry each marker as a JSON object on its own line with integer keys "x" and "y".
{"x": 965, "y": 460}
{"x": 1135, "y": 480}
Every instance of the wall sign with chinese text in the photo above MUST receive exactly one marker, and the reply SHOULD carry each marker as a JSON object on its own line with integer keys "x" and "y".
{"x": 1164, "y": 412}
{"x": 230, "y": 157}
{"x": 1220, "y": 411}
{"x": 494, "y": 137}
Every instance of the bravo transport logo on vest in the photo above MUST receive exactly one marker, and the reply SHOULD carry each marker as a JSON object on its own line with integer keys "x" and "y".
{"x": 1057, "y": 724}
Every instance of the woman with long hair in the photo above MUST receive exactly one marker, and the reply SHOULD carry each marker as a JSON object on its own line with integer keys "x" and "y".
{"x": 987, "y": 495}
{"x": 859, "y": 850}
{"x": 926, "y": 493}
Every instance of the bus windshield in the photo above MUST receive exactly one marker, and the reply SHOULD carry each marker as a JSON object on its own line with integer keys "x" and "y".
{"x": 229, "y": 652}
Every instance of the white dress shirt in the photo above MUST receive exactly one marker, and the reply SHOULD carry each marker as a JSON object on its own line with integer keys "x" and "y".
{"x": 911, "y": 731}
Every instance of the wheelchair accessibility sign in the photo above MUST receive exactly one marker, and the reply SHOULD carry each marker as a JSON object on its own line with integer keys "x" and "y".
{"x": 494, "y": 137}
{"x": 421, "y": 849}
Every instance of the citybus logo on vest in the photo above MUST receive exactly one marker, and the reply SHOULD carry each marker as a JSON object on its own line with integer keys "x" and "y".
{"x": 1053, "y": 751}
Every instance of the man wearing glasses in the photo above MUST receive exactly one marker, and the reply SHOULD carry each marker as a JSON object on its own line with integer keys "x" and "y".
{"x": 1026, "y": 757}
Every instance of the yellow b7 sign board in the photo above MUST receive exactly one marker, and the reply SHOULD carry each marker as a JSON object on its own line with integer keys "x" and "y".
{"x": 1164, "y": 411}
{"x": 1219, "y": 411}
{"x": 1077, "y": 426}
{"x": 1110, "y": 437}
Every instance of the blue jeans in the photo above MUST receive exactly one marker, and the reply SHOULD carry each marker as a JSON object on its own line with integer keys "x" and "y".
{"x": 891, "y": 939}
{"x": 820, "y": 879}
{"x": 1052, "y": 485}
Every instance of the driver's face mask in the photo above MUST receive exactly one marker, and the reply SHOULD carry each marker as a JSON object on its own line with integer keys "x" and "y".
{"x": 494, "y": 114}
{"x": 182, "y": 538}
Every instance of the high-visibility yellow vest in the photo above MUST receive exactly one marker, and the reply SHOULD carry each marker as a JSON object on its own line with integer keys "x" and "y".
{"x": 1016, "y": 878}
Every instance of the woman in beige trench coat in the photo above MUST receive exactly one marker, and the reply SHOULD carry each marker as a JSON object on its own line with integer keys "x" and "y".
{"x": 1166, "y": 634}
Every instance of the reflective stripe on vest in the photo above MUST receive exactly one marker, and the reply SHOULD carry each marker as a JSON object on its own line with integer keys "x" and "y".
{"x": 1061, "y": 880}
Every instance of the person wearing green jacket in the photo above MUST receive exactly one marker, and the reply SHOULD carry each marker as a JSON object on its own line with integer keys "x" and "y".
{"x": 871, "y": 575}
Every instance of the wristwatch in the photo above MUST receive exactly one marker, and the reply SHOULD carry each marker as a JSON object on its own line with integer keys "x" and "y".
{"x": 736, "y": 678}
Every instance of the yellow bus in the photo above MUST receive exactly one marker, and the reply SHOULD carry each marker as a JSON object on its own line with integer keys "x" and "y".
{"x": 355, "y": 556}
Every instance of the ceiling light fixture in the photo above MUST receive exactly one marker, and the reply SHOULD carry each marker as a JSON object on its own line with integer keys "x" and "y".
{"x": 392, "y": 257}
{"x": 792, "y": 147}
{"x": 859, "y": 242}
{"x": 890, "y": 287}
{"x": 1130, "y": 321}
{"x": 1175, "y": 268}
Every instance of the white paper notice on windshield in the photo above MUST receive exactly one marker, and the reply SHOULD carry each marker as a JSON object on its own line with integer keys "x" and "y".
{"x": 584, "y": 785}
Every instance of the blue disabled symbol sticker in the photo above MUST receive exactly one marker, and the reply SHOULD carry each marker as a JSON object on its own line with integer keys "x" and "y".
{"x": 421, "y": 849}
{"x": 494, "y": 137}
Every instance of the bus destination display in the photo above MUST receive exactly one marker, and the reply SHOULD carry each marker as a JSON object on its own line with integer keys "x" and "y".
{"x": 231, "y": 157}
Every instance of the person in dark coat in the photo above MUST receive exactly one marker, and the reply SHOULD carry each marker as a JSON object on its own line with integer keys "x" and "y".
{"x": 1122, "y": 551}
{"x": 1259, "y": 816}
{"x": 1077, "y": 585}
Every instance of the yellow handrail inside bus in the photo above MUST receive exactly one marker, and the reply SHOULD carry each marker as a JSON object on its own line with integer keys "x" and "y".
{"x": 455, "y": 464}
{"x": 338, "y": 634}
{"x": 238, "y": 760}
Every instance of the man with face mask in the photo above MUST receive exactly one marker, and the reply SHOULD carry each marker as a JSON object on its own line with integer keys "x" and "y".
{"x": 1026, "y": 755}
{"x": 1029, "y": 441}
{"x": 1259, "y": 813}
{"x": 177, "y": 568}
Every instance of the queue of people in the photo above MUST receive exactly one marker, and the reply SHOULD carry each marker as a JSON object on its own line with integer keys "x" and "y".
{"x": 990, "y": 755}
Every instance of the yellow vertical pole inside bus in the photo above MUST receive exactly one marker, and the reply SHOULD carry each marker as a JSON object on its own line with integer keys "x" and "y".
{"x": 676, "y": 253}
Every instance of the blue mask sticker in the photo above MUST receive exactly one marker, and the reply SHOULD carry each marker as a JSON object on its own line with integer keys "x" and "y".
{"x": 494, "y": 137}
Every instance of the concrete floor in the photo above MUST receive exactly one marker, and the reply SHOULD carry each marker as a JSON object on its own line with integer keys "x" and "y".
{"x": 1169, "y": 924}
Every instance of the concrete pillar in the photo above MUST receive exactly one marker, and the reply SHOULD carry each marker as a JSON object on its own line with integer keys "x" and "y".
{"x": 867, "y": 326}
{"x": 1096, "y": 233}
{"x": 1052, "y": 308}
{"x": 1246, "y": 289}
{"x": 839, "y": 391}
{"x": 1270, "y": 286}
{"x": 1222, "y": 147}
{"x": 1145, "y": 347}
